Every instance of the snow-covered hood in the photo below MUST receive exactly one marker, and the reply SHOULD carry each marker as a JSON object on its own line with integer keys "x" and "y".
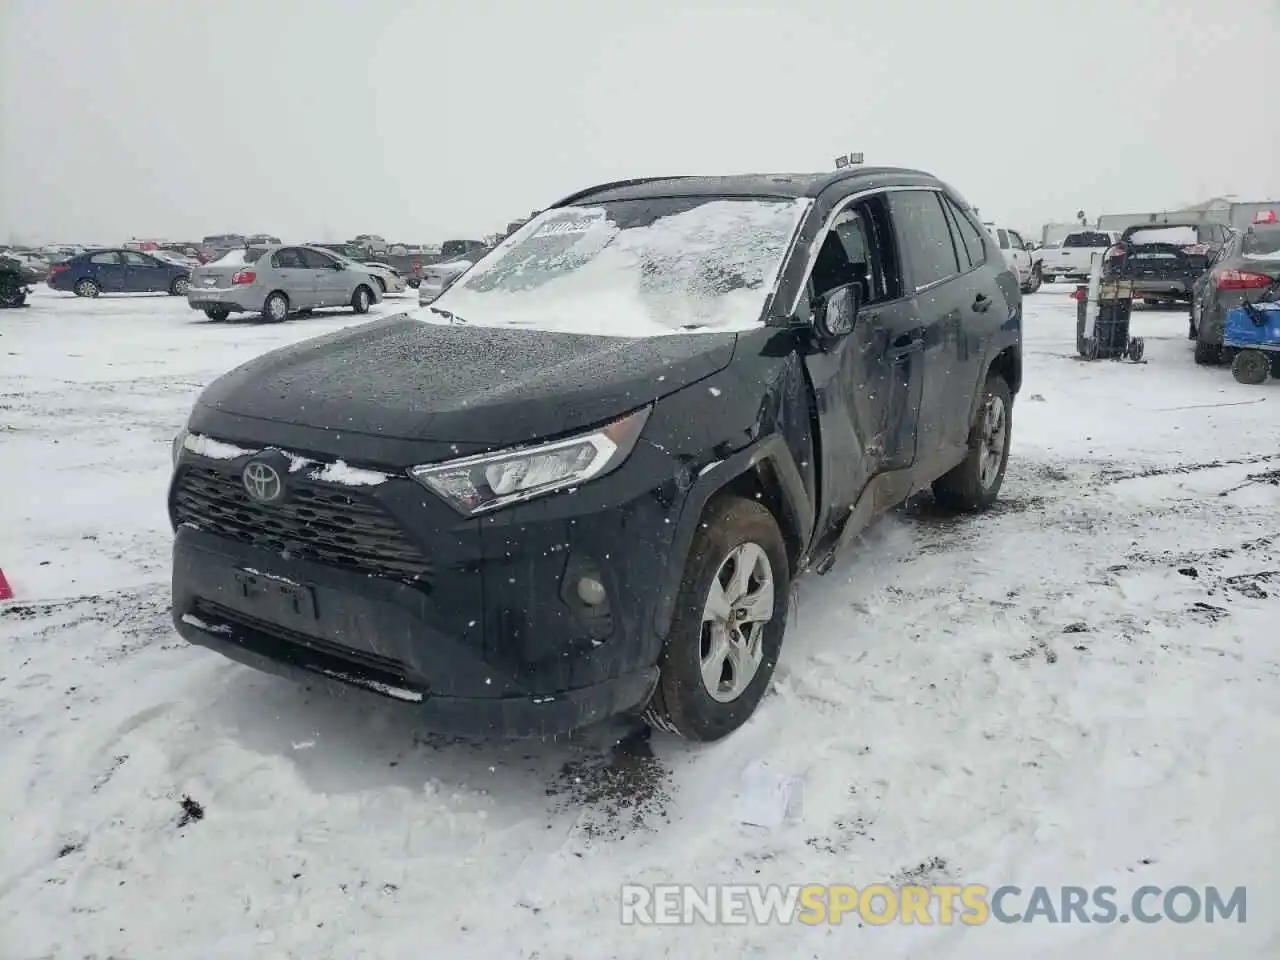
{"x": 403, "y": 379}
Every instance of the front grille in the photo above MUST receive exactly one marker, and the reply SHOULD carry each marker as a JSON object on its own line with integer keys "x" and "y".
{"x": 333, "y": 527}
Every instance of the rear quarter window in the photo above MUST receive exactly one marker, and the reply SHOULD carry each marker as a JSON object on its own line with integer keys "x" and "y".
{"x": 1261, "y": 244}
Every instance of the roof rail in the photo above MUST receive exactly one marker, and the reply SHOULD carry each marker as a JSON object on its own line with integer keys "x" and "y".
{"x": 612, "y": 185}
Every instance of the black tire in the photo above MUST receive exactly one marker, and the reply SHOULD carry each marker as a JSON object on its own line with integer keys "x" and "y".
{"x": 1251, "y": 367}
{"x": 1035, "y": 282}
{"x": 275, "y": 309}
{"x": 179, "y": 287}
{"x": 1208, "y": 354}
{"x": 415, "y": 284}
{"x": 217, "y": 314}
{"x": 87, "y": 288}
{"x": 969, "y": 487}
{"x": 1136, "y": 348}
{"x": 682, "y": 703}
{"x": 361, "y": 299}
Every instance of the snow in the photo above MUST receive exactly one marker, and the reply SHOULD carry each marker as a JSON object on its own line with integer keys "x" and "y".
{"x": 707, "y": 269}
{"x": 1080, "y": 687}
{"x": 340, "y": 473}
{"x": 1178, "y": 236}
{"x": 203, "y": 446}
{"x": 232, "y": 258}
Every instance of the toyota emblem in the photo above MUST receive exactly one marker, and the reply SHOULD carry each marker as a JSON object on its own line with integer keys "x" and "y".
{"x": 262, "y": 482}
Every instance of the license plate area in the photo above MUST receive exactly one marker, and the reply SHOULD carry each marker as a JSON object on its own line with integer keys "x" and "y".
{"x": 274, "y": 599}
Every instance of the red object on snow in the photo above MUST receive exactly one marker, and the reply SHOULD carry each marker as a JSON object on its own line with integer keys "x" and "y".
{"x": 1080, "y": 293}
{"x": 6, "y": 591}
{"x": 1264, "y": 216}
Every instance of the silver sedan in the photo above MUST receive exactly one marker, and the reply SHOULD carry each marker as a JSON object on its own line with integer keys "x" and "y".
{"x": 279, "y": 280}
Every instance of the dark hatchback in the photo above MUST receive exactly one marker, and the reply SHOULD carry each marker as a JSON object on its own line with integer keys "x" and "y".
{"x": 96, "y": 272}
{"x": 1164, "y": 260}
{"x": 582, "y": 482}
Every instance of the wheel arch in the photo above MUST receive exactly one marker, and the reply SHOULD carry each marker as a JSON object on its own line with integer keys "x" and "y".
{"x": 765, "y": 472}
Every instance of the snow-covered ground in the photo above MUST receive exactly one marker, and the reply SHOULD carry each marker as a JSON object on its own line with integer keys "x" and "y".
{"x": 1081, "y": 687}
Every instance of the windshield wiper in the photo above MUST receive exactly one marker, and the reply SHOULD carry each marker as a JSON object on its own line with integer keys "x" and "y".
{"x": 447, "y": 314}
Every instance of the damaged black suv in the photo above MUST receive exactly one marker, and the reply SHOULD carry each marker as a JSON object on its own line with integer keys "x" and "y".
{"x": 581, "y": 483}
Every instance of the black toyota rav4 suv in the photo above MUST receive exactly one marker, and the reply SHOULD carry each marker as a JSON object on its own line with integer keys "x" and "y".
{"x": 581, "y": 483}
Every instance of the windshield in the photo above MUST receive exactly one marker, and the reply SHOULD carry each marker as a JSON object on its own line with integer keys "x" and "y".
{"x": 633, "y": 268}
{"x": 1174, "y": 236}
{"x": 1087, "y": 240}
{"x": 1261, "y": 243}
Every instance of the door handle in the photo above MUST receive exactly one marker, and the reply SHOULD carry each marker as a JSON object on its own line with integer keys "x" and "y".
{"x": 908, "y": 340}
{"x": 981, "y": 303}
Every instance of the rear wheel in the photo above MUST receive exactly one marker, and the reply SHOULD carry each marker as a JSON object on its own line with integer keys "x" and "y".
{"x": 276, "y": 308}
{"x": 361, "y": 299}
{"x": 974, "y": 485}
{"x": 217, "y": 313}
{"x": 1251, "y": 367}
{"x": 1033, "y": 284}
{"x": 87, "y": 288}
{"x": 731, "y": 614}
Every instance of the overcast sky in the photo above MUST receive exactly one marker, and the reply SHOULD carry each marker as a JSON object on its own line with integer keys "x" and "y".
{"x": 427, "y": 120}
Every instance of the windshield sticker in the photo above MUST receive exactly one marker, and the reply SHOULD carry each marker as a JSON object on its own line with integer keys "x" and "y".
{"x": 557, "y": 228}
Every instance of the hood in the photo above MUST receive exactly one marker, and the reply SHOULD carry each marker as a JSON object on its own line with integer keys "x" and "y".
{"x": 404, "y": 379}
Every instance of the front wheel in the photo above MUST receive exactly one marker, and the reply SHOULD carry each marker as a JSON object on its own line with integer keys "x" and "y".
{"x": 974, "y": 485}
{"x": 179, "y": 287}
{"x": 1251, "y": 367}
{"x": 1208, "y": 354}
{"x": 361, "y": 299}
{"x": 730, "y": 617}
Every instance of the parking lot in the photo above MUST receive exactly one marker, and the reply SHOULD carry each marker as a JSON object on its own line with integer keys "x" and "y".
{"x": 1107, "y": 624}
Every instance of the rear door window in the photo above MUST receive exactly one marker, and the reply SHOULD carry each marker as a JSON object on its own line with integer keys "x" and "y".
{"x": 290, "y": 258}
{"x": 925, "y": 235}
{"x": 970, "y": 237}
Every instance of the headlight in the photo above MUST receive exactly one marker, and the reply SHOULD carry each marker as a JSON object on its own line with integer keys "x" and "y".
{"x": 178, "y": 441}
{"x": 478, "y": 484}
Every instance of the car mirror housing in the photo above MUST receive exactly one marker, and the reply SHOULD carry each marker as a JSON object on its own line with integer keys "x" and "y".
{"x": 838, "y": 310}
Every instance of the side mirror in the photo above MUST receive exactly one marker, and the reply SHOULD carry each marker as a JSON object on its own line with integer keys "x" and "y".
{"x": 838, "y": 311}
{"x": 339, "y": 266}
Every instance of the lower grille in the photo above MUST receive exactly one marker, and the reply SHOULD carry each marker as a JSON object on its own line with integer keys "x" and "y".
{"x": 332, "y": 527}
{"x": 289, "y": 646}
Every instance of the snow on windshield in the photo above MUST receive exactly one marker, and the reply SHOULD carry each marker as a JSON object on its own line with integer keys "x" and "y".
{"x": 1176, "y": 236}
{"x": 632, "y": 268}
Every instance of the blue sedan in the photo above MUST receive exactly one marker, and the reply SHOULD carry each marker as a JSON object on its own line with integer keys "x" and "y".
{"x": 96, "y": 272}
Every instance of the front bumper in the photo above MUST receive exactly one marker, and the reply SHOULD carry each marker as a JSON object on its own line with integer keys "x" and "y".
{"x": 491, "y": 639}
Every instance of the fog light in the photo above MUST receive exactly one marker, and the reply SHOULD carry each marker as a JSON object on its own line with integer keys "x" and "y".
{"x": 591, "y": 591}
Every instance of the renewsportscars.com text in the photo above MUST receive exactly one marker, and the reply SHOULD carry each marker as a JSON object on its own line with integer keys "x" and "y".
{"x": 940, "y": 904}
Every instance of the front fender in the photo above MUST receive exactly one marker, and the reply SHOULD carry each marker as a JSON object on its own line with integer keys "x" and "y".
{"x": 769, "y": 452}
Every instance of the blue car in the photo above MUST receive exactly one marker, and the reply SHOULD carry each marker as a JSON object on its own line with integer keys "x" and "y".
{"x": 96, "y": 272}
{"x": 1253, "y": 332}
